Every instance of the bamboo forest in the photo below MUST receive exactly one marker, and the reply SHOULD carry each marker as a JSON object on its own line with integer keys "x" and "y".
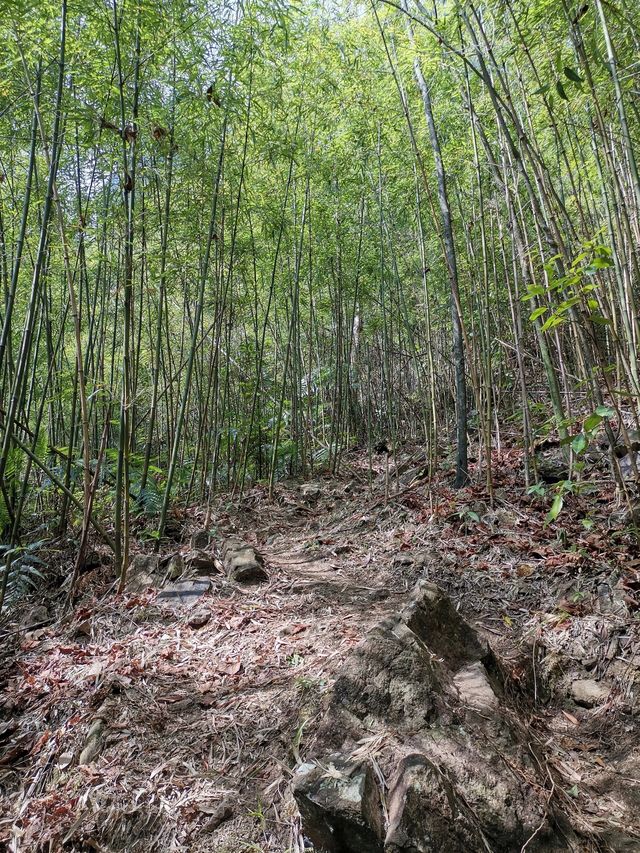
{"x": 319, "y": 426}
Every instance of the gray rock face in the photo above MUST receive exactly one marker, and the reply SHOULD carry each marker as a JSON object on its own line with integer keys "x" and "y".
{"x": 143, "y": 572}
{"x": 551, "y": 465}
{"x": 435, "y": 621}
{"x": 184, "y": 593}
{"x": 242, "y": 563}
{"x": 390, "y": 678}
{"x": 474, "y": 689}
{"x": 340, "y": 806}
{"x": 201, "y": 563}
{"x": 457, "y": 767}
{"x": 175, "y": 567}
{"x": 423, "y": 816}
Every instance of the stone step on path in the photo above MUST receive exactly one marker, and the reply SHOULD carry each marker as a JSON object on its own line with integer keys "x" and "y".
{"x": 184, "y": 593}
{"x": 184, "y": 578}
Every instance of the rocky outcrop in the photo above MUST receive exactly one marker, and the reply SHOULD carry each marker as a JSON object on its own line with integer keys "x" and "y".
{"x": 242, "y": 563}
{"x": 452, "y": 765}
{"x": 341, "y": 806}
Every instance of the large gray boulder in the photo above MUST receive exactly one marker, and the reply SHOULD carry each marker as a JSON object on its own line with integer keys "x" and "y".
{"x": 459, "y": 771}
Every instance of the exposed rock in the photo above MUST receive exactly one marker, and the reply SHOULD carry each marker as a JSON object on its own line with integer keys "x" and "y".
{"x": 200, "y": 540}
{"x": 474, "y": 688}
{"x": 389, "y": 678}
{"x": 82, "y": 628}
{"x": 37, "y": 615}
{"x": 147, "y": 563}
{"x": 551, "y": 464}
{"x": 434, "y": 620}
{"x": 589, "y": 692}
{"x": 423, "y": 813}
{"x": 310, "y": 491}
{"x": 242, "y": 563}
{"x": 185, "y": 592}
{"x": 340, "y": 806}
{"x": 427, "y": 684}
{"x": 222, "y": 812}
{"x": 411, "y": 558}
{"x": 199, "y": 618}
{"x": 202, "y": 563}
{"x": 610, "y": 598}
{"x": 143, "y": 572}
{"x": 175, "y": 567}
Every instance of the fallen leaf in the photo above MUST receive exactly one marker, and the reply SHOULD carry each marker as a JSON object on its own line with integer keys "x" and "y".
{"x": 230, "y": 667}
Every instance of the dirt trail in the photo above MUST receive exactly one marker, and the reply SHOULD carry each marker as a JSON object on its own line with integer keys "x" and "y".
{"x": 196, "y": 727}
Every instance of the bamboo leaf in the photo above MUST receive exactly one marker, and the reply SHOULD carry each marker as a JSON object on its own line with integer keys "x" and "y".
{"x": 572, "y": 75}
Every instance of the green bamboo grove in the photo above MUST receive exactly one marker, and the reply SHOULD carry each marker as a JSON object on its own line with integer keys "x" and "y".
{"x": 237, "y": 240}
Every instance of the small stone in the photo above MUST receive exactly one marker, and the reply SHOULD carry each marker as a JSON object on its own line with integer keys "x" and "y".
{"x": 242, "y": 563}
{"x": 588, "y": 692}
{"x": 310, "y": 491}
{"x": 552, "y": 465}
{"x": 94, "y": 742}
{"x": 223, "y": 812}
{"x": 65, "y": 760}
{"x": 82, "y": 629}
{"x": 245, "y": 568}
{"x": 199, "y": 618}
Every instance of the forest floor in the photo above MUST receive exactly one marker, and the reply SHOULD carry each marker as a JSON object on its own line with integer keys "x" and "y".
{"x": 139, "y": 723}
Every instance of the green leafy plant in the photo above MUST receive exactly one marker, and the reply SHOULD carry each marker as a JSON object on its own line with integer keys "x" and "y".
{"x": 25, "y": 570}
{"x": 575, "y": 288}
{"x": 590, "y": 427}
